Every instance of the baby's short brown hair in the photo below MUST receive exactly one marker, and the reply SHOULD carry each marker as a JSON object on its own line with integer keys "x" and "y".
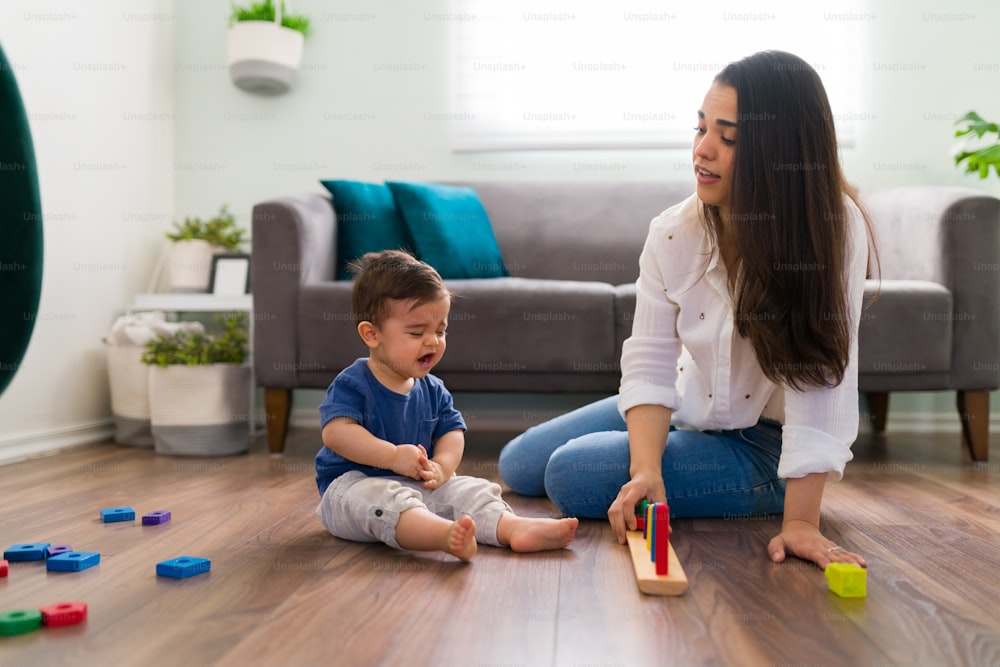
{"x": 381, "y": 277}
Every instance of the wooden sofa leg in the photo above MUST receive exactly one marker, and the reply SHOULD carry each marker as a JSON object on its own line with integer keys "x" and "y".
{"x": 974, "y": 413}
{"x": 277, "y": 406}
{"x": 878, "y": 405}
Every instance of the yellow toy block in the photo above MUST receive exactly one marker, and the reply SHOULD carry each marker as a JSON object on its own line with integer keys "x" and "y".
{"x": 847, "y": 580}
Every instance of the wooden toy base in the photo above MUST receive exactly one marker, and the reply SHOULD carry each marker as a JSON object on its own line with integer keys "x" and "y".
{"x": 649, "y": 582}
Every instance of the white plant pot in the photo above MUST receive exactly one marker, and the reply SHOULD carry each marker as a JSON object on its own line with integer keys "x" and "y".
{"x": 200, "y": 410}
{"x": 263, "y": 56}
{"x": 190, "y": 264}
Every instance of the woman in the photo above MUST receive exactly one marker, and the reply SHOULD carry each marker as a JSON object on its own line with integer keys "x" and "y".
{"x": 739, "y": 382}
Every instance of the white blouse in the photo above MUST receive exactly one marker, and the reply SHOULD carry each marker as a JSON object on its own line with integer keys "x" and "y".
{"x": 685, "y": 354}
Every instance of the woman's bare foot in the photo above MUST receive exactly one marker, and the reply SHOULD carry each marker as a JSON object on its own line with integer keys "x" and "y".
{"x": 462, "y": 538}
{"x": 526, "y": 534}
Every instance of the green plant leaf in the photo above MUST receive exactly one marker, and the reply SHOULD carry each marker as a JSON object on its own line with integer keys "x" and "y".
{"x": 187, "y": 349}
{"x": 220, "y": 230}
{"x": 978, "y": 161}
{"x": 974, "y": 124}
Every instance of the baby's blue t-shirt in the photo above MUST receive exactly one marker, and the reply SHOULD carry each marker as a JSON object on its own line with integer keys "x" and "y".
{"x": 418, "y": 418}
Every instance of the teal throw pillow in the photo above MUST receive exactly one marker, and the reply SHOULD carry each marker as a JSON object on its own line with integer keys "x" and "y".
{"x": 450, "y": 229}
{"x": 367, "y": 221}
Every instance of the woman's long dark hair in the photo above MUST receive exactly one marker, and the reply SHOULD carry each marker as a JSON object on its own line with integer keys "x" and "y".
{"x": 788, "y": 222}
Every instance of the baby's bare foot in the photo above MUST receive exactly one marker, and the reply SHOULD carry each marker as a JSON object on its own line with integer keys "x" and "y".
{"x": 528, "y": 534}
{"x": 462, "y": 538}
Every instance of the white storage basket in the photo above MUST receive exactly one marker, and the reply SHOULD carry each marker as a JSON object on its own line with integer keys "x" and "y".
{"x": 200, "y": 410}
{"x": 129, "y": 380}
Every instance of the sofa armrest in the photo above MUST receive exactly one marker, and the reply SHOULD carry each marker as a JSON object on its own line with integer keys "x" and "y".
{"x": 951, "y": 236}
{"x": 293, "y": 243}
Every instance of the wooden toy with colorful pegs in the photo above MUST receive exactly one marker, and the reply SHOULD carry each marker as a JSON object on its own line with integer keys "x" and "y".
{"x": 657, "y": 569}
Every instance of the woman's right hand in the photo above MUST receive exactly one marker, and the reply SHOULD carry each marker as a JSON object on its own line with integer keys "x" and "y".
{"x": 621, "y": 514}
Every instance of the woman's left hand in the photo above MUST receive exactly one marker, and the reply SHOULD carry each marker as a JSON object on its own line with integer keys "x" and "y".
{"x": 802, "y": 539}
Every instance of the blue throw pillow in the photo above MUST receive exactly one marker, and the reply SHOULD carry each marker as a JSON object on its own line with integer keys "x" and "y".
{"x": 367, "y": 221}
{"x": 450, "y": 229}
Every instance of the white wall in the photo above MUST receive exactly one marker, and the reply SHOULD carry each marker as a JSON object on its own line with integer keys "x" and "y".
{"x": 97, "y": 80}
{"x": 368, "y": 103}
{"x": 375, "y": 82}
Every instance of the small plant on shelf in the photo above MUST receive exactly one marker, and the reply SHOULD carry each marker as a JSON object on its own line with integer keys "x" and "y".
{"x": 220, "y": 230}
{"x": 981, "y": 157}
{"x": 186, "y": 348}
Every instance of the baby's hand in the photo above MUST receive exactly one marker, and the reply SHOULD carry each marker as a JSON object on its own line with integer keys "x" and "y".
{"x": 432, "y": 472}
{"x": 408, "y": 461}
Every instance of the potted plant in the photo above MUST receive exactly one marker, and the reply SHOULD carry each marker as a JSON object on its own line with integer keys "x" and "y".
{"x": 194, "y": 242}
{"x": 199, "y": 391}
{"x": 978, "y": 156}
{"x": 265, "y": 47}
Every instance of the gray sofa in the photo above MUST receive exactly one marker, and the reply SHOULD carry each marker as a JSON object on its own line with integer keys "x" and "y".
{"x": 558, "y": 322}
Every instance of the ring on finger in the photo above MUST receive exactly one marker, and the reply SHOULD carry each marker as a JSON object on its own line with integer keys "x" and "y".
{"x": 835, "y": 548}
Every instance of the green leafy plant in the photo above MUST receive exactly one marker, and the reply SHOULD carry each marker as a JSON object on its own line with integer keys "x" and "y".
{"x": 264, "y": 11}
{"x": 220, "y": 230}
{"x": 197, "y": 349}
{"x": 979, "y": 160}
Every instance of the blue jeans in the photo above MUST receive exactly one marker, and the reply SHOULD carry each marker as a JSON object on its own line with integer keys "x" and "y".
{"x": 581, "y": 461}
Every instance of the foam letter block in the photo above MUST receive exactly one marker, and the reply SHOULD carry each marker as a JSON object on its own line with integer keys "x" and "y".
{"x": 155, "y": 518}
{"x": 19, "y": 621}
{"x": 3, "y": 568}
{"x": 183, "y": 567}
{"x": 847, "y": 580}
{"x": 36, "y": 551}
{"x": 113, "y": 514}
{"x": 55, "y": 550}
{"x": 64, "y": 613}
{"x": 73, "y": 561}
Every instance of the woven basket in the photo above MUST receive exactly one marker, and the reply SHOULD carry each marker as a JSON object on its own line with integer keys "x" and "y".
{"x": 129, "y": 380}
{"x": 200, "y": 410}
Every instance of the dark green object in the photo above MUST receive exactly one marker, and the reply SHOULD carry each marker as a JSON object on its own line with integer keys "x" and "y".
{"x": 20, "y": 226}
{"x": 19, "y": 621}
{"x": 640, "y": 509}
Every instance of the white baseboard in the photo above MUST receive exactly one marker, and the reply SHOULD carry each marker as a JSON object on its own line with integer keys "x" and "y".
{"x": 39, "y": 443}
{"x": 930, "y": 423}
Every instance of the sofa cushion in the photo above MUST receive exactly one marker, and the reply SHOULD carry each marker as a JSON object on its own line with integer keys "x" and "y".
{"x": 367, "y": 221}
{"x": 497, "y": 328}
{"x": 450, "y": 229}
{"x": 530, "y": 326}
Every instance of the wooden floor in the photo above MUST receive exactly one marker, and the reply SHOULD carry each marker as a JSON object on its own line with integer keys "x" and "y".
{"x": 283, "y": 592}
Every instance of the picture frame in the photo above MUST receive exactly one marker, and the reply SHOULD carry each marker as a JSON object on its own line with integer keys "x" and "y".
{"x": 230, "y": 274}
